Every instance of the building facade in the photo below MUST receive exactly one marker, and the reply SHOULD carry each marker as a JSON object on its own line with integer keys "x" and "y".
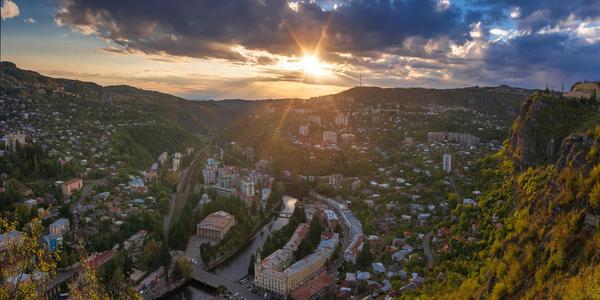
{"x": 215, "y": 226}
{"x": 304, "y": 130}
{"x": 329, "y": 137}
{"x": 60, "y": 226}
{"x": 70, "y": 186}
{"x": 447, "y": 165}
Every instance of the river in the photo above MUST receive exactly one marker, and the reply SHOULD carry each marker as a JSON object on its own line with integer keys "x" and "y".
{"x": 236, "y": 268}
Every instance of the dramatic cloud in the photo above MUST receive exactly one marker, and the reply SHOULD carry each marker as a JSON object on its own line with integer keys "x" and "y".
{"x": 8, "y": 10}
{"x": 206, "y": 28}
{"x": 410, "y": 42}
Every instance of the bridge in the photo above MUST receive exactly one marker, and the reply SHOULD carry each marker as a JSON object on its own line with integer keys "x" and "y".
{"x": 215, "y": 282}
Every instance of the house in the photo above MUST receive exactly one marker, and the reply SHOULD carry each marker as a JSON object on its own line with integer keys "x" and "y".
{"x": 53, "y": 241}
{"x": 9, "y": 238}
{"x": 378, "y": 268}
{"x": 60, "y": 226}
{"x": 70, "y": 186}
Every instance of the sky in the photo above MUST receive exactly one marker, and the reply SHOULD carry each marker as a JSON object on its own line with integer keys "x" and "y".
{"x": 257, "y": 49}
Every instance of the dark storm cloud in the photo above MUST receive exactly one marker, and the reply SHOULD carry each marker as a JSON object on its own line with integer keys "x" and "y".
{"x": 208, "y": 28}
{"x": 394, "y": 39}
{"x": 538, "y": 14}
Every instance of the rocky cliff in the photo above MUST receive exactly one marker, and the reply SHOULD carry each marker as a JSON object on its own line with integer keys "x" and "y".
{"x": 544, "y": 121}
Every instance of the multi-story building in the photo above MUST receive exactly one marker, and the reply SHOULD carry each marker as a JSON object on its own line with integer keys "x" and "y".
{"x": 215, "y": 226}
{"x": 315, "y": 119}
{"x": 176, "y": 164}
{"x": 53, "y": 241}
{"x": 10, "y": 237}
{"x": 351, "y": 253}
{"x": 457, "y": 137}
{"x": 348, "y": 138}
{"x": 434, "y": 137}
{"x": 341, "y": 120}
{"x": 210, "y": 174}
{"x": 447, "y": 163}
{"x": 329, "y": 137}
{"x": 463, "y": 138}
{"x": 247, "y": 187}
{"x": 12, "y": 139}
{"x": 273, "y": 273}
{"x": 304, "y": 130}
{"x": 70, "y": 186}
{"x": 162, "y": 158}
{"x": 332, "y": 219}
{"x": 60, "y": 226}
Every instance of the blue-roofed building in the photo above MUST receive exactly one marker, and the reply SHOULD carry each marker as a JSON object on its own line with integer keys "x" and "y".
{"x": 53, "y": 241}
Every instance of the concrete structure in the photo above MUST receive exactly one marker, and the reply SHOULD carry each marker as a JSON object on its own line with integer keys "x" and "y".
{"x": 348, "y": 138}
{"x": 53, "y": 241}
{"x": 247, "y": 187}
{"x": 162, "y": 158}
{"x": 332, "y": 219}
{"x": 10, "y": 237}
{"x": 447, "y": 165}
{"x": 329, "y": 137}
{"x": 12, "y": 139}
{"x": 457, "y": 137}
{"x": 351, "y": 253}
{"x": 315, "y": 288}
{"x": 209, "y": 173}
{"x": 70, "y": 186}
{"x": 60, "y": 226}
{"x": 341, "y": 120}
{"x": 273, "y": 274}
{"x": 215, "y": 226}
{"x": 304, "y": 130}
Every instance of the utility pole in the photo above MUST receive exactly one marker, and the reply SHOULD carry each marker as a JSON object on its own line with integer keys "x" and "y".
{"x": 360, "y": 80}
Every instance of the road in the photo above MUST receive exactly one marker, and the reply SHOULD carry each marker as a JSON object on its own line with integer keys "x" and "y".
{"x": 215, "y": 281}
{"x": 427, "y": 250}
{"x": 186, "y": 183}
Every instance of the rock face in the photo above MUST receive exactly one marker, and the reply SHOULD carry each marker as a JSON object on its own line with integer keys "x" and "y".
{"x": 542, "y": 129}
{"x": 574, "y": 151}
{"x": 586, "y": 90}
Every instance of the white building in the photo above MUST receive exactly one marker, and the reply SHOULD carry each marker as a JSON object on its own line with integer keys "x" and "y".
{"x": 162, "y": 158}
{"x": 447, "y": 163}
{"x": 215, "y": 226}
{"x": 330, "y": 137}
{"x": 304, "y": 129}
{"x": 12, "y": 139}
{"x": 247, "y": 187}
{"x": 341, "y": 120}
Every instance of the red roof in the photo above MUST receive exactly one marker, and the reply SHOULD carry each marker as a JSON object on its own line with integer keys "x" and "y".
{"x": 99, "y": 259}
{"x": 313, "y": 287}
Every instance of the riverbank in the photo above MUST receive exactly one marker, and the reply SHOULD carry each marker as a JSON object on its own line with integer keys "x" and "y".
{"x": 259, "y": 228}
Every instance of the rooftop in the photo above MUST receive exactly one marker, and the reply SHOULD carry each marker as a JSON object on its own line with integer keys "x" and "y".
{"x": 219, "y": 219}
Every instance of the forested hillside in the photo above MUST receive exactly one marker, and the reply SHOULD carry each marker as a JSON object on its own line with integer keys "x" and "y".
{"x": 538, "y": 218}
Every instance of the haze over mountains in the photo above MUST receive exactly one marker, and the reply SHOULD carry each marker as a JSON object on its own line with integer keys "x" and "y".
{"x": 200, "y": 114}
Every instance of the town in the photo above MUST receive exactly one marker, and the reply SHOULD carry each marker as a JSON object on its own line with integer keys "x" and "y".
{"x": 363, "y": 194}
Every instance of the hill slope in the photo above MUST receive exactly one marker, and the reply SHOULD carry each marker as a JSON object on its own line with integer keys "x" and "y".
{"x": 537, "y": 234}
{"x": 194, "y": 116}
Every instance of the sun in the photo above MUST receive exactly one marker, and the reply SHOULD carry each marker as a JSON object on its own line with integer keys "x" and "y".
{"x": 312, "y": 66}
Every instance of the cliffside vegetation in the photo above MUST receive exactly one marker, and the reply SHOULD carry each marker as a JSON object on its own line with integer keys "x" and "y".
{"x": 537, "y": 237}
